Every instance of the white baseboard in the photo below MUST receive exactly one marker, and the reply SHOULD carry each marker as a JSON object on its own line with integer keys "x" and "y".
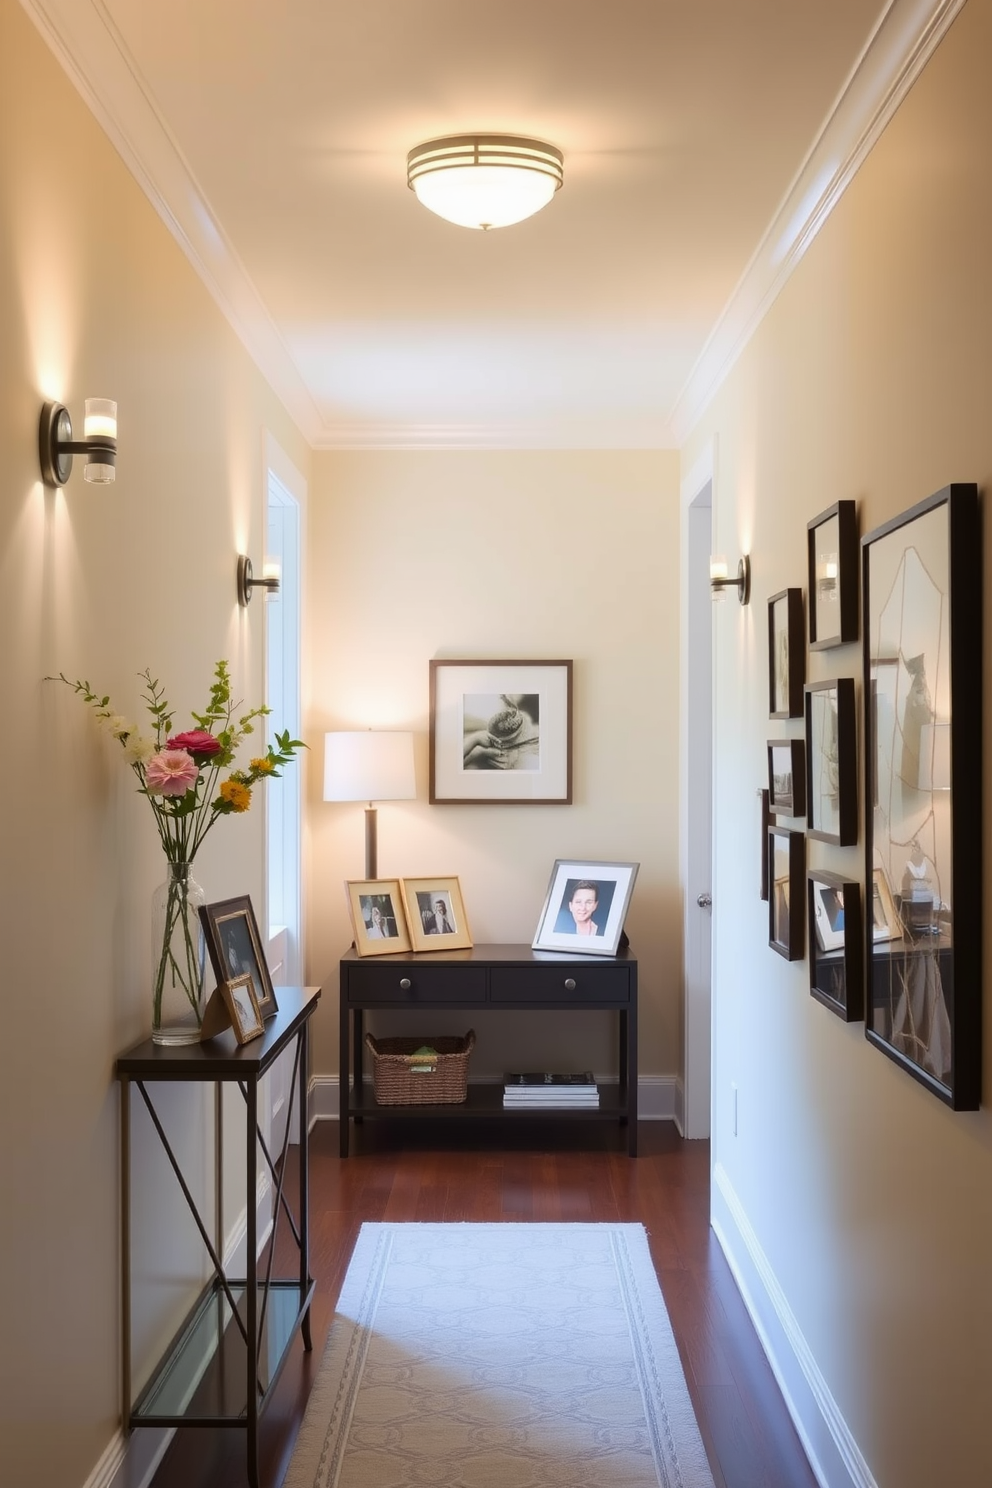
{"x": 659, "y": 1097}
{"x": 135, "y": 1459}
{"x": 833, "y": 1453}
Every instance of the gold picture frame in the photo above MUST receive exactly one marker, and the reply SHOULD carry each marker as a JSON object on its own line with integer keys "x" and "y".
{"x": 435, "y": 914}
{"x": 242, "y": 1007}
{"x": 378, "y": 917}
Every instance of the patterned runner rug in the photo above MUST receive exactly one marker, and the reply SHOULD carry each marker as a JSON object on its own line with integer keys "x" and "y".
{"x": 500, "y": 1356}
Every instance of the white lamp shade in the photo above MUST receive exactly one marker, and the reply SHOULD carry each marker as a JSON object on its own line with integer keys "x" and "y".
{"x": 369, "y": 765}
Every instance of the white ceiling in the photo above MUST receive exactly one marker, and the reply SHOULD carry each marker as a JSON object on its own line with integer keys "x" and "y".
{"x": 704, "y": 143}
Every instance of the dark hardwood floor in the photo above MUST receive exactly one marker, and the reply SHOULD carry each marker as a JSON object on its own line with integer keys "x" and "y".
{"x": 569, "y": 1172}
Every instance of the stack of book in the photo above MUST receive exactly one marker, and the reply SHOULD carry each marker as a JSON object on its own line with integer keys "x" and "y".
{"x": 538, "y": 1091}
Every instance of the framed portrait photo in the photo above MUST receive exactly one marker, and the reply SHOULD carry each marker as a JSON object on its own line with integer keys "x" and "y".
{"x": 832, "y": 547}
{"x": 242, "y": 1007}
{"x": 836, "y": 975}
{"x": 378, "y": 917}
{"x": 435, "y": 914}
{"x": 786, "y": 654}
{"x": 501, "y": 732}
{"x": 787, "y": 777}
{"x": 235, "y": 948}
{"x": 585, "y": 907}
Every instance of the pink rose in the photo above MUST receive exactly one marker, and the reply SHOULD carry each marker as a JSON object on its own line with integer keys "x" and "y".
{"x": 171, "y": 772}
{"x": 197, "y": 741}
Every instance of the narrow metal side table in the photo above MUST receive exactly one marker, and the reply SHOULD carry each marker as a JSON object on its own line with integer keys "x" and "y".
{"x": 225, "y": 1359}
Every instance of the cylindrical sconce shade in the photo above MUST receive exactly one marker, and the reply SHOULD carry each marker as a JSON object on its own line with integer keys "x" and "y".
{"x": 369, "y": 765}
{"x": 99, "y": 424}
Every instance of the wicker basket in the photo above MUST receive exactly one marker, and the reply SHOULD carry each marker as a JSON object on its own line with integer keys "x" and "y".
{"x": 400, "y": 1080}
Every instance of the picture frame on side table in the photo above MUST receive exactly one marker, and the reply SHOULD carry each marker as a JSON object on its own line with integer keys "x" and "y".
{"x": 500, "y": 733}
{"x": 832, "y": 556}
{"x": 584, "y": 894}
{"x": 242, "y": 1008}
{"x": 378, "y": 916}
{"x": 235, "y": 947}
{"x": 921, "y": 585}
{"x": 787, "y": 777}
{"x": 435, "y": 914}
{"x": 832, "y": 762}
{"x": 834, "y": 919}
{"x": 786, "y": 892}
{"x": 786, "y": 654}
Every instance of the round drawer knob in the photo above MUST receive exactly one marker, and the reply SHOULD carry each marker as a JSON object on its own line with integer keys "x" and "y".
{"x": 569, "y": 984}
{"x": 405, "y": 984}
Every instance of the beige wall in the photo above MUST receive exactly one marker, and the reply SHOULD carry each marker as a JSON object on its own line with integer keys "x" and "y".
{"x": 870, "y": 1202}
{"x": 489, "y": 555}
{"x": 96, "y": 299}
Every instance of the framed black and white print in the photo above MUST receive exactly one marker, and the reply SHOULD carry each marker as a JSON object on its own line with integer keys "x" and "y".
{"x": 786, "y": 892}
{"x": 833, "y": 914}
{"x": 921, "y": 582}
{"x": 832, "y": 762}
{"x": 501, "y": 733}
{"x": 832, "y": 545}
{"x": 787, "y": 777}
{"x": 767, "y": 817}
{"x": 786, "y": 654}
{"x": 235, "y": 946}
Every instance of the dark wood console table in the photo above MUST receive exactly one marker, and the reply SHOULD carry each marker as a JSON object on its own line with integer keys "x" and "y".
{"x": 226, "y": 1357}
{"x": 489, "y": 977}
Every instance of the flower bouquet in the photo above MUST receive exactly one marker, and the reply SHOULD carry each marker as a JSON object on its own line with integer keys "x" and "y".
{"x": 180, "y": 775}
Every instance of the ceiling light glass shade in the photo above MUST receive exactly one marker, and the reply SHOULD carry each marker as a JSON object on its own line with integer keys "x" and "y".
{"x": 484, "y": 180}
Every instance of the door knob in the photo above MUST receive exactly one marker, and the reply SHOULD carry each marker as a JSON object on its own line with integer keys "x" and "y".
{"x": 705, "y": 901}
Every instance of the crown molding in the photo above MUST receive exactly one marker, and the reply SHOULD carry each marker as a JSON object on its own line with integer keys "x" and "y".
{"x": 89, "y": 47}
{"x": 906, "y": 35}
{"x": 91, "y": 51}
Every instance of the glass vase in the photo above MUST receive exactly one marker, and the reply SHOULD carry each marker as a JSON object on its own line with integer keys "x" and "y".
{"x": 178, "y": 958}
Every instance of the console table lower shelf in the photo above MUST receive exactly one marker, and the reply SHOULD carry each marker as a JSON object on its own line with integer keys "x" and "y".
{"x": 488, "y": 977}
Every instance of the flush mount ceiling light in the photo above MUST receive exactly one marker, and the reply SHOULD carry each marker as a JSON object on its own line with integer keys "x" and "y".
{"x": 484, "y": 180}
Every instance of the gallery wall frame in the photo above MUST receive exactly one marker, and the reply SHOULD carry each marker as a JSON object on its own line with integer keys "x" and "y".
{"x": 832, "y": 562}
{"x": 787, "y": 777}
{"x": 767, "y": 818}
{"x": 786, "y": 892}
{"x": 500, "y": 733}
{"x": 832, "y": 761}
{"x": 786, "y": 654}
{"x": 836, "y": 943}
{"x": 921, "y": 584}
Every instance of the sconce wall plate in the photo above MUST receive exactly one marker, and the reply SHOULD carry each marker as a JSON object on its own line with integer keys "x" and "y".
{"x": 247, "y": 582}
{"x": 56, "y": 445}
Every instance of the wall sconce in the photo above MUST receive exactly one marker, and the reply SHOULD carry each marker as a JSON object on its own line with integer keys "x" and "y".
{"x": 369, "y": 765}
{"x": 720, "y": 579}
{"x": 269, "y": 581}
{"x": 56, "y": 445}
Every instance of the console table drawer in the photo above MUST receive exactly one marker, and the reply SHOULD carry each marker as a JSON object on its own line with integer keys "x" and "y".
{"x": 571, "y": 983}
{"x": 412, "y": 984}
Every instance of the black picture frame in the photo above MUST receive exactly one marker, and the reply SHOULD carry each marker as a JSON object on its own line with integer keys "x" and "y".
{"x": 786, "y": 852}
{"x": 235, "y": 948}
{"x": 836, "y": 943}
{"x": 832, "y": 562}
{"x": 832, "y": 761}
{"x": 786, "y": 654}
{"x": 787, "y": 777}
{"x": 921, "y": 577}
{"x": 767, "y": 819}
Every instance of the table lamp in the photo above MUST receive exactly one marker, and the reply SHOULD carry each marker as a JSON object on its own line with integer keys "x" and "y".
{"x": 369, "y": 765}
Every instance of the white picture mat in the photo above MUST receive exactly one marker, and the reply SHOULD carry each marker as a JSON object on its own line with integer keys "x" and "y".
{"x": 451, "y": 779}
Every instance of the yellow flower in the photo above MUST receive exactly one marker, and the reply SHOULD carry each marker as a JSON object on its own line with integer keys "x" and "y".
{"x": 262, "y": 766}
{"x": 237, "y": 796}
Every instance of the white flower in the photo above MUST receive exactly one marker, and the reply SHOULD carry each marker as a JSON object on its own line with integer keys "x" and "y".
{"x": 137, "y": 749}
{"x": 119, "y": 726}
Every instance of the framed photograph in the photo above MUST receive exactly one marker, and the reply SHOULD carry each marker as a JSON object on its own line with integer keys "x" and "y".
{"x": 836, "y": 976}
{"x": 378, "y": 918}
{"x": 242, "y": 1006}
{"x": 921, "y": 585}
{"x": 767, "y": 818}
{"x": 235, "y": 947}
{"x": 885, "y": 922}
{"x": 787, "y": 777}
{"x": 435, "y": 914}
{"x": 786, "y": 654}
{"x": 832, "y": 545}
{"x": 832, "y": 762}
{"x": 501, "y": 733}
{"x": 585, "y": 907}
{"x": 786, "y": 892}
